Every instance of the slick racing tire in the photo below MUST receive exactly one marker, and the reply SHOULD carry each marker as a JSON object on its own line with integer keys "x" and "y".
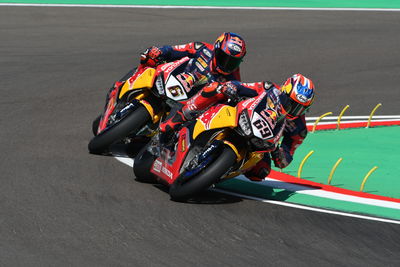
{"x": 129, "y": 124}
{"x": 181, "y": 191}
{"x": 95, "y": 125}
{"x": 142, "y": 165}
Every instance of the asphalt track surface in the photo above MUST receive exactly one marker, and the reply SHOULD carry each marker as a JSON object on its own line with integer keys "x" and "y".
{"x": 60, "y": 206}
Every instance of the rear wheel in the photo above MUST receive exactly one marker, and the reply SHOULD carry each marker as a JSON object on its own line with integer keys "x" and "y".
{"x": 182, "y": 190}
{"x": 142, "y": 165}
{"x": 128, "y": 125}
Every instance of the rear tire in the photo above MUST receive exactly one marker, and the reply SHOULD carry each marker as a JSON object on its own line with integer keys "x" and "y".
{"x": 142, "y": 165}
{"x": 212, "y": 173}
{"x": 130, "y": 124}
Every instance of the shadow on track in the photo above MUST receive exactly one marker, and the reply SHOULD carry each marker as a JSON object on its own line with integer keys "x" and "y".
{"x": 205, "y": 197}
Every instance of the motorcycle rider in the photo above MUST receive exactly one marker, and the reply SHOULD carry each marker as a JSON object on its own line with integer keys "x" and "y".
{"x": 291, "y": 101}
{"x": 218, "y": 62}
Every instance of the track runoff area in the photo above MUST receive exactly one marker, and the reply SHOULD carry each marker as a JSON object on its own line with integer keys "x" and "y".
{"x": 333, "y": 171}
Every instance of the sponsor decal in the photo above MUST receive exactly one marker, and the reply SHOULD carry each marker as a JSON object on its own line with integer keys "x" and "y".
{"x": 270, "y": 104}
{"x": 126, "y": 108}
{"x": 187, "y": 80}
{"x": 247, "y": 102}
{"x": 236, "y": 40}
{"x": 275, "y": 96}
{"x": 180, "y": 47}
{"x": 202, "y": 61}
{"x": 235, "y": 44}
{"x": 199, "y": 66}
{"x": 235, "y": 48}
{"x": 209, "y": 149}
{"x": 183, "y": 145}
{"x": 207, "y": 53}
{"x": 249, "y": 84}
{"x": 169, "y": 67}
{"x": 166, "y": 172}
{"x": 197, "y": 45}
{"x": 258, "y": 100}
{"x": 160, "y": 85}
{"x": 270, "y": 116}
{"x": 267, "y": 85}
{"x": 301, "y": 98}
{"x": 157, "y": 166}
{"x": 207, "y": 117}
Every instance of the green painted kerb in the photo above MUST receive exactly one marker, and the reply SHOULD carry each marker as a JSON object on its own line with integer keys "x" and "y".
{"x": 361, "y": 150}
{"x": 236, "y": 3}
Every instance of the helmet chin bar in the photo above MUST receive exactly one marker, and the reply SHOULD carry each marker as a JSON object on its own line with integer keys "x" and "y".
{"x": 218, "y": 69}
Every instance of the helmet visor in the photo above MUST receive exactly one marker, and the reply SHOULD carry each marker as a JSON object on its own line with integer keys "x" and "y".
{"x": 225, "y": 62}
{"x": 290, "y": 108}
{"x": 296, "y": 109}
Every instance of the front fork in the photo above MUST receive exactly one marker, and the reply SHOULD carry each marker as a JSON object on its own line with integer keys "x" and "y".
{"x": 246, "y": 159}
{"x": 130, "y": 102}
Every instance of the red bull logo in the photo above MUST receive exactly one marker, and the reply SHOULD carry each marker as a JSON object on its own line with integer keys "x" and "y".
{"x": 187, "y": 81}
{"x": 207, "y": 117}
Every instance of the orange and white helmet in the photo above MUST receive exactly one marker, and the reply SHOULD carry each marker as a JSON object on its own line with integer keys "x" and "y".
{"x": 300, "y": 95}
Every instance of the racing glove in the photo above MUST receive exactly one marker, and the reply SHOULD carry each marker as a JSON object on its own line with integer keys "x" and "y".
{"x": 281, "y": 158}
{"x": 151, "y": 57}
{"x": 229, "y": 90}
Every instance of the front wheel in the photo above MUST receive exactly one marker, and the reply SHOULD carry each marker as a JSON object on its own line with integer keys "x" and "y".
{"x": 181, "y": 190}
{"x": 95, "y": 125}
{"x": 128, "y": 125}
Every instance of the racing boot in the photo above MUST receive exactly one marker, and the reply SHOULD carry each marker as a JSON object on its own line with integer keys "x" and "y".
{"x": 173, "y": 122}
{"x": 168, "y": 128}
{"x": 260, "y": 170}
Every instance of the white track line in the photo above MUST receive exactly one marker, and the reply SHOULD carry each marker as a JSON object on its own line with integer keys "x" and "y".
{"x": 281, "y": 203}
{"x": 355, "y": 117}
{"x": 300, "y": 189}
{"x": 349, "y": 122}
{"x": 206, "y": 7}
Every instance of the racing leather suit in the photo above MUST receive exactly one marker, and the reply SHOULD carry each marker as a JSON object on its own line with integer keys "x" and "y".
{"x": 201, "y": 68}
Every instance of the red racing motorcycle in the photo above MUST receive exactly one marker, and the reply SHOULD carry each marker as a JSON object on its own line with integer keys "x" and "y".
{"x": 223, "y": 142}
{"x": 134, "y": 109}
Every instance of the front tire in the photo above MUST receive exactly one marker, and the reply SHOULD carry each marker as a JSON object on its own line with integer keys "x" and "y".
{"x": 180, "y": 191}
{"x": 95, "y": 125}
{"x": 129, "y": 124}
